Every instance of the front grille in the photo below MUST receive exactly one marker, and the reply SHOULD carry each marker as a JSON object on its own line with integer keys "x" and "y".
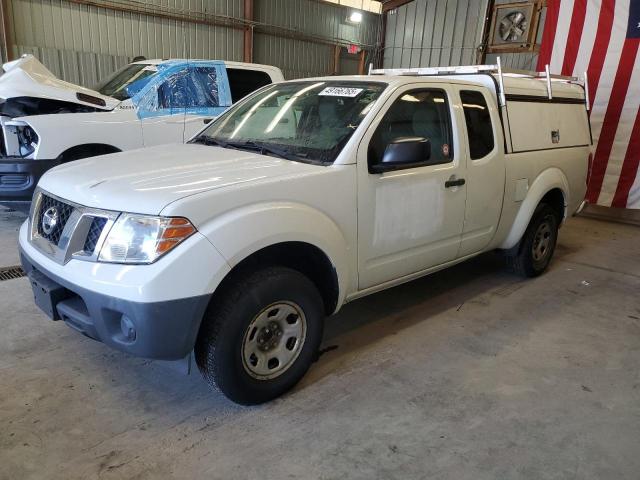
{"x": 82, "y": 226}
{"x": 97, "y": 225}
{"x": 62, "y": 212}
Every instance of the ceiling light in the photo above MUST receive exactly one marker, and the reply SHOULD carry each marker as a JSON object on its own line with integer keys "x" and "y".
{"x": 355, "y": 17}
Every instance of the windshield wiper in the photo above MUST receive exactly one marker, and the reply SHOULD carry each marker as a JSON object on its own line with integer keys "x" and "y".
{"x": 209, "y": 141}
{"x": 263, "y": 149}
{"x": 252, "y": 146}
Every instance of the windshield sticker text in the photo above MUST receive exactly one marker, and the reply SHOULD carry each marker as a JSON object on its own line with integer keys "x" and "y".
{"x": 340, "y": 92}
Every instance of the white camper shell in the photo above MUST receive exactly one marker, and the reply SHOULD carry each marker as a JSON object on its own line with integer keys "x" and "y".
{"x": 526, "y": 99}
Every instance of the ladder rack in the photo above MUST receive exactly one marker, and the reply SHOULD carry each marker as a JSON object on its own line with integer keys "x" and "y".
{"x": 496, "y": 69}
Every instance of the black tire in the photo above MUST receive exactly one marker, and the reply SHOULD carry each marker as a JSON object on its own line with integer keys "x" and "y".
{"x": 532, "y": 255}
{"x": 221, "y": 346}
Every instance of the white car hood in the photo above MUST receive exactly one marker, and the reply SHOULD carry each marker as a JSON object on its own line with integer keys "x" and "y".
{"x": 147, "y": 180}
{"x": 27, "y": 77}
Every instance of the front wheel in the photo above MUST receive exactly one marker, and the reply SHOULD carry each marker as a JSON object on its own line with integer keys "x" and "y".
{"x": 261, "y": 335}
{"x": 533, "y": 253}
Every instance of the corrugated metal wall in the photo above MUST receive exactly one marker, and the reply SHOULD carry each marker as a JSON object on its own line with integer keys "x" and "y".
{"x": 434, "y": 33}
{"x": 84, "y": 43}
{"x": 300, "y": 58}
{"x": 430, "y": 33}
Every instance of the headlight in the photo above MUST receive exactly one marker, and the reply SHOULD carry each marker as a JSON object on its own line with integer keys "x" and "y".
{"x": 143, "y": 239}
{"x": 27, "y": 140}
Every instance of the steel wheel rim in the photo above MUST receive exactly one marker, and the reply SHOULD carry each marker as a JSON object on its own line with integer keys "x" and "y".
{"x": 273, "y": 340}
{"x": 542, "y": 241}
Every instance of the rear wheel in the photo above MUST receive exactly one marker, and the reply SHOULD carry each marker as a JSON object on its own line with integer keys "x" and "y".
{"x": 533, "y": 253}
{"x": 260, "y": 336}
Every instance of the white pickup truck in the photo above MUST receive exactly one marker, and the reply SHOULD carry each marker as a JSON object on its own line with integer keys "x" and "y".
{"x": 304, "y": 196}
{"x": 45, "y": 121}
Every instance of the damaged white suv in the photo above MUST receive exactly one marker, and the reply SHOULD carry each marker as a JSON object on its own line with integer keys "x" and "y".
{"x": 303, "y": 196}
{"x": 45, "y": 121}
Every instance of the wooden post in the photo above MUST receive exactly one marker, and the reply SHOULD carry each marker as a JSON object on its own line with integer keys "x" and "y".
{"x": 336, "y": 59}
{"x": 248, "y": 32}
{"x": 361, "y": 65}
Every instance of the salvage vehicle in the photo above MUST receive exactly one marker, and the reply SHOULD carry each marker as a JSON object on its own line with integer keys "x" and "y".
{"x": 304, "y": 196}
{"x": 45, "y": 121}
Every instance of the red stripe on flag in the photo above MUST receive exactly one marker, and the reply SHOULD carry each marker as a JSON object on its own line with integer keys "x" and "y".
{"x": 574, "y": 36}
{"x": 601, "y": 45}
{"x": 611, "y": 118}
{"x": 549, "y": 33}
{"x": 629, "y": 167}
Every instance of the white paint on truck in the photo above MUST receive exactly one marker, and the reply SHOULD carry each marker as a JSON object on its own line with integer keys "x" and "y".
{"x": 378, "y": 220}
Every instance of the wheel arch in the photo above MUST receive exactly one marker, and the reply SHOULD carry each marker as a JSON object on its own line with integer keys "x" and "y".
{"x": 94, "y": 149}
{"x": 303, "y": 257}
{"x": 267, "y": 229}
{"x": 552, "y": 187}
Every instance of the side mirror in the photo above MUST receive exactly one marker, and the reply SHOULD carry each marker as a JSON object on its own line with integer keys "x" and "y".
{"x": 403, "y": 152}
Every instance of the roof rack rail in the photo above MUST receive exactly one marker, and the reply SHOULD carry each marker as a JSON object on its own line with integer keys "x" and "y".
{"x": 491, "y": 69}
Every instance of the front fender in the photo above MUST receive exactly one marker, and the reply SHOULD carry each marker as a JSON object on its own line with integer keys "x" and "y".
{"x": 243, "y": 231}
{"x": 547, "y": 180}
{"x": 59, "y": 132}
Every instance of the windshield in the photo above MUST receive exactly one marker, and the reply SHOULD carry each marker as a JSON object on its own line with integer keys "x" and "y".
{"x": 304, "y": 121}
{"x": 127, "y": 81}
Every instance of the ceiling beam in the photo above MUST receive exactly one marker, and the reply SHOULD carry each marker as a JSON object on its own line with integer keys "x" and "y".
{"x": 391, "y": 4}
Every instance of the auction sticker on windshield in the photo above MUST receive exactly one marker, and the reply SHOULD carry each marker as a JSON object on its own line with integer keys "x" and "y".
{"x": 340, "y": 92}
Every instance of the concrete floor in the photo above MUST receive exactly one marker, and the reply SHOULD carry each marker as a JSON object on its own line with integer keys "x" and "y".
{"x": 471, "y": 373}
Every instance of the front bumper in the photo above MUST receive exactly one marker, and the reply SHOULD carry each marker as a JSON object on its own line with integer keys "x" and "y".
{"x": 19, "y": 177}
{"x": 164, "y": 330}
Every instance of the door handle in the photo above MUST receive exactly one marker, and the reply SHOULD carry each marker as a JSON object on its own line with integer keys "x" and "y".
{"x": 454, "y": 182}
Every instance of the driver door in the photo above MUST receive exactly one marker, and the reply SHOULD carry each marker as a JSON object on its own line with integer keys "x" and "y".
{"x": 163, "y": 109}
{"x": 410, "y": 218}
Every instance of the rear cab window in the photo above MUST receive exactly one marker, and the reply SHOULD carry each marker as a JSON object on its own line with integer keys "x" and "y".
{"x": 478, "y": 121}
{"x": 243, "y": 81}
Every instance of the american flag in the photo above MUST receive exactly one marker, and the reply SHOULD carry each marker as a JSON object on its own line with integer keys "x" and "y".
{"x": 601, "y": 37}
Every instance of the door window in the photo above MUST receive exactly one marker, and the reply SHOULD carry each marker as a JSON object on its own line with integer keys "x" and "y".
{"x": 172, "y": 93}
{"x": 478, "y": 120}
{"x": 416, "y": 113}
{"x": 195, "y": 87}
{"x": 202, "y": 87}
{"x": 243, "y": 82}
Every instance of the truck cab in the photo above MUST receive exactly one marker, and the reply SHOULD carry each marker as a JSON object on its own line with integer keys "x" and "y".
{"x": 300, "y": 198}
{"x": 46, "y": 121}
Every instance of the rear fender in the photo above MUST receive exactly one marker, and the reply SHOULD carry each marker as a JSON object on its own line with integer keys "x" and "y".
{"x": 544, "y": 183}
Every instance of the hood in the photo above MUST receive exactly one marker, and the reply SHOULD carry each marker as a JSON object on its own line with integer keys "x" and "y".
{"x": 147, "y": 180}
{"x": 27, "y": 77}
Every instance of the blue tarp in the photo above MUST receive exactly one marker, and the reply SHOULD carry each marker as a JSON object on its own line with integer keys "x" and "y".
{"x": 196, "y": 88}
